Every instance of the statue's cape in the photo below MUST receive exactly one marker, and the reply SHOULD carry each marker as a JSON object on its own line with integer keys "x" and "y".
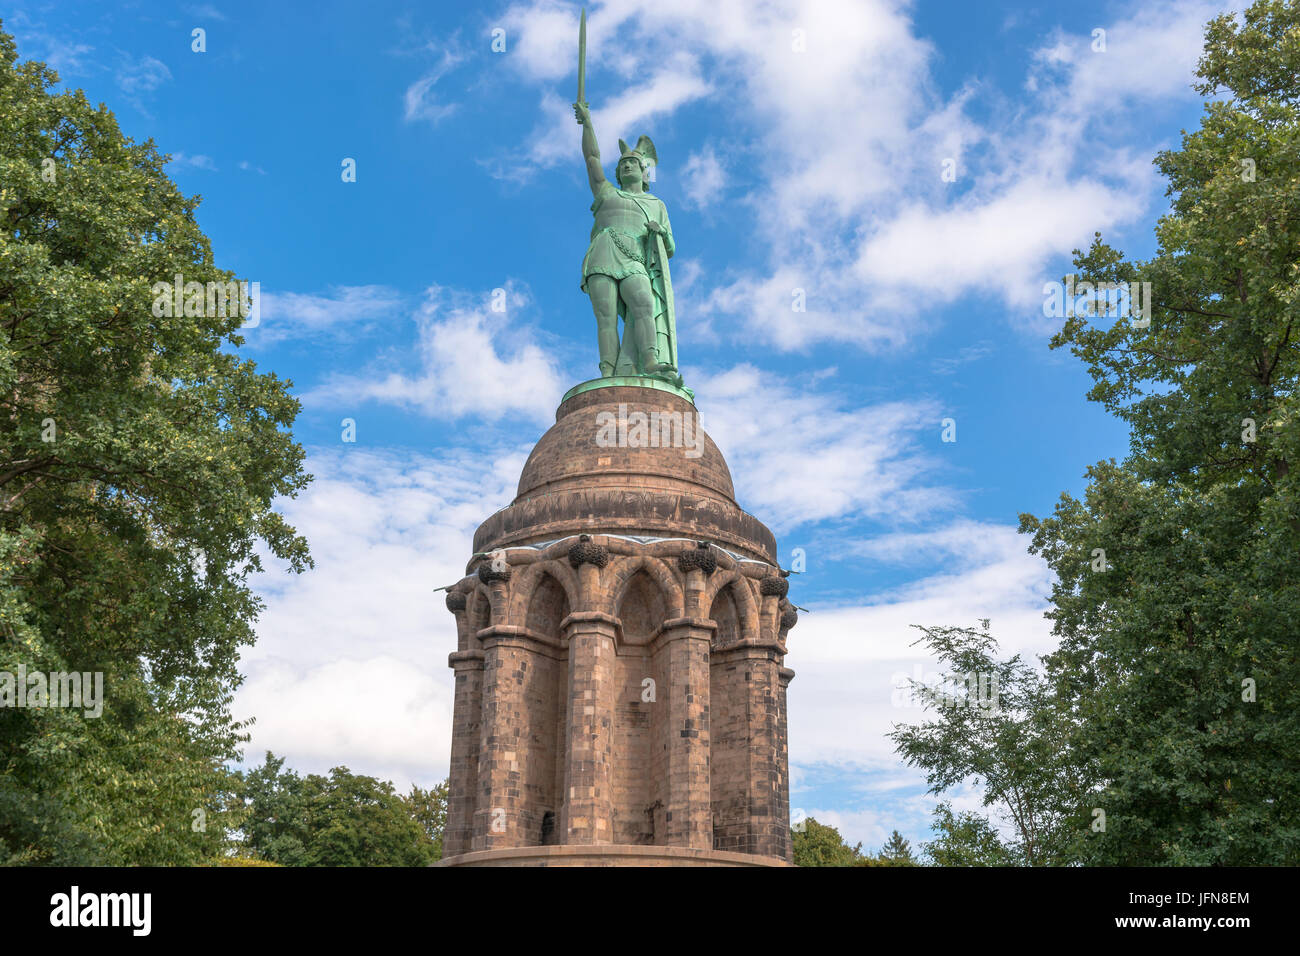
{"x": 661, "y": 283}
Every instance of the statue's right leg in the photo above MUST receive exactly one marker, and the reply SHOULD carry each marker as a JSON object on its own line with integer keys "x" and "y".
{"x": 604, "y": 302}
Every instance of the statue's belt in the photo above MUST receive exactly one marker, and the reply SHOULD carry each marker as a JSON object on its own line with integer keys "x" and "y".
{"x": 620, "y": 241}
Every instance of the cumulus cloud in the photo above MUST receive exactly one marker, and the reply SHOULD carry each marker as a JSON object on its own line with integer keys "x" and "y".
{"x": 703, "y": 178}
{"x": 852, "y": 660}
{"x": 807, "y": 454}
{"x": 467, "y": 366}
{"x": 350, "y": 664}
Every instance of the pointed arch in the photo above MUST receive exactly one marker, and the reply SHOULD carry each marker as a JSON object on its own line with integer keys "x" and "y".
{"x": 747, "y": 609}
{"x": 625, "y": 569}
{"x": 528, "y": 578}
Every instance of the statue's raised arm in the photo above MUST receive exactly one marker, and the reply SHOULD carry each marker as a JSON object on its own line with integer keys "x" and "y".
{"x": 590, "y": 148}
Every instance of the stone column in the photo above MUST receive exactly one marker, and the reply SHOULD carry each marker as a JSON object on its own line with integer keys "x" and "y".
{"x": 462, "y": 788}
{"x": 786, "y": 848}
{"x": 689, "y": 816}
{"x": 588, "y": 814}
{"x": 763, "y": 704}
{"x": 496, "y": 818}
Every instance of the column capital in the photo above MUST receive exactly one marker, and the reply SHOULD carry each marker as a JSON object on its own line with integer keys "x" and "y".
{"x": 514, "y": 634}
{"x": 682, "y": 623}
{"x": 591, "y": 618}
{"x": 465, "y": 660}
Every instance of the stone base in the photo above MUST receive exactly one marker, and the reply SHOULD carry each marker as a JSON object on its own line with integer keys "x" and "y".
{"x": 607, "y": 855}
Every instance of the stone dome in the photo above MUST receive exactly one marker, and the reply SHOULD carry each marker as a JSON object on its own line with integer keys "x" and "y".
{"x": 626, "y": 459}
{"x": 576, "y": 451}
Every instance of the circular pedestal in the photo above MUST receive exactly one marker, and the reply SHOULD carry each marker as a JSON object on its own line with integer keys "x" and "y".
{"x": 607, "y": 855}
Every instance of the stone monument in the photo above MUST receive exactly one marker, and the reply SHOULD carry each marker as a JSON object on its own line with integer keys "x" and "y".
{"x": 621, "y": 629}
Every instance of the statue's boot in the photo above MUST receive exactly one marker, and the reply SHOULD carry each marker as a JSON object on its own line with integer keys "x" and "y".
{"x": 656, "y": 367}
{"x": 645, "y": 333}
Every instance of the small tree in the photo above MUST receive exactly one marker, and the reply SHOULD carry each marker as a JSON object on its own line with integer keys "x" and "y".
{"x": 896, "y": 852}
{"x": 1000, "y": 727}
{"x": 429, "y": 810}
{"x": 821, "y": 845}
{"x": 966, "y": 839}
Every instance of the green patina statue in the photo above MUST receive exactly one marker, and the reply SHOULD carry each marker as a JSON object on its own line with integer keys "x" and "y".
{"x": 625, "y": 270}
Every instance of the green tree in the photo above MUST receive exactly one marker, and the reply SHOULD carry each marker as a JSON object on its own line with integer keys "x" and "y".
{"x": 344, "y": 819}
{"x": 996, "y": 723}
{"x": 820, "y": 845}
{"x": 429, "y": 809}
{"x": 139, "y": 459}
{"x": 1179, "y": 591}
{"x": 966, "y": 839}
{"x": 896, "y": 852}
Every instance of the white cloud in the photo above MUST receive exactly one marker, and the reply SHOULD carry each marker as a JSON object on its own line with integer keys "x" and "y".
{"x": 803, "y": 455}
{"x": 851, "y": 659}
{"x": 351, "y": 662}
{"x": 304, "y": 315}
{"x": 419, "y": 102}
{"x": 703, "y": 178}
{"x": 198, "y": 161}
{"x": 1148, "y": 56}
{"x": 206, "y": 11}
{"x": 624, "y": 115}
{"x": 469, "y": 365}
{"x": 1033, "y": 221}
{"x": 143, "y": 75}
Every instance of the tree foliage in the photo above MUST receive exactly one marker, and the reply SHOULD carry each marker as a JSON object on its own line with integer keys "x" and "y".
{"x": 429, "y": 808}
{"x": 998, "y": 726}
{"x": 1181, "y": 659}
{"x": 344, "y": 819}
{"x": 817, "y": 844}
{"x": 139, "y": 459}
{"x": 967, "y": 839}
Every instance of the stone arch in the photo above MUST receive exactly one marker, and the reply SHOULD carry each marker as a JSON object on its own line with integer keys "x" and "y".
{"x": 625, "y": 569}
{"x": 747, "y": 609}
{"x": 642, "y": 608}
{"x": 540, "y": 673}
{"x": 724, "y": 613}
{"x": 527, "y": 578}
{"x": 548, "y": 605}
{"x": 639, "y": 726}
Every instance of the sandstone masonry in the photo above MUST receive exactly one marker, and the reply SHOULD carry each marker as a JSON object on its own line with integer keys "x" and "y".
{"x": 620, "y": 678}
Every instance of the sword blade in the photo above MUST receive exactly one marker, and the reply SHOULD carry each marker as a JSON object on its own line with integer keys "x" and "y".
{"x": 582, "y": 57}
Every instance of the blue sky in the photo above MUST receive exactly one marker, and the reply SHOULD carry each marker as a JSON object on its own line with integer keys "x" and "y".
{"x": 802, "y": 146}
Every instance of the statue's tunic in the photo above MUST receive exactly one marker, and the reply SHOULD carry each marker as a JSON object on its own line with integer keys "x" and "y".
{"x": 618, "y": 235}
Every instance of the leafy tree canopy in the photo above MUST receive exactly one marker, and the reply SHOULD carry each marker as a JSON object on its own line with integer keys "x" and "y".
{"x": 139, "y": 460}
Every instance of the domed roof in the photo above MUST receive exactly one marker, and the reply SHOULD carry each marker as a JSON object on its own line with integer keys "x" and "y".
{"x": 626, "y": 437}
{"x": 630, "y": 460}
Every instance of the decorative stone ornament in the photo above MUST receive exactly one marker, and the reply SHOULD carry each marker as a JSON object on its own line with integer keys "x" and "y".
{"x": 584, "y": 551}
{"x": 701, "y": 556}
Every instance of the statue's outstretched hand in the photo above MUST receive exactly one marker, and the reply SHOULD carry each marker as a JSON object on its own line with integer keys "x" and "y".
{"x": 581, "y": 113}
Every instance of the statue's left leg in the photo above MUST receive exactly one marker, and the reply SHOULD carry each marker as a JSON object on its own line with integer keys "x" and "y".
{"x": 640, "y": 299}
